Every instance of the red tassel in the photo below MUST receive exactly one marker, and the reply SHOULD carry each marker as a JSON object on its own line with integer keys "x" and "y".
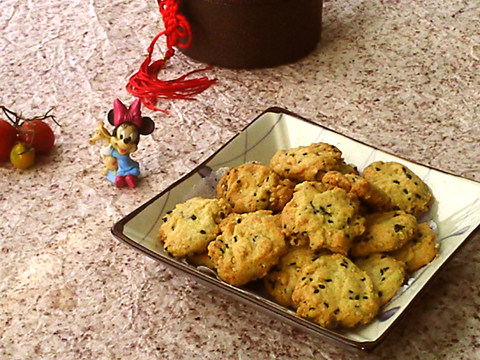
{"x": 146, "y": 85}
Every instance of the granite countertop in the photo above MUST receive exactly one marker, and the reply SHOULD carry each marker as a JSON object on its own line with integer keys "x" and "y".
{"x": 403, "y": 76}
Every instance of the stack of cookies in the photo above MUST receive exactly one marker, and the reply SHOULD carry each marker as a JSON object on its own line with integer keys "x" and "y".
{"x": 326, "y": 241}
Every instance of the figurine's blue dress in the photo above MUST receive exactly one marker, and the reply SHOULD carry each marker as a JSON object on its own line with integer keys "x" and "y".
{"x": 126, "y": 166}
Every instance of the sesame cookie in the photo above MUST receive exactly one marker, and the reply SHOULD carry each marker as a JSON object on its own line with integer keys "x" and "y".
{"x": 334, "y": 291}
{"x": 248, "y": 246}
{"x": 306, "y": 163}
{"x": 385, "y": 232}
{"x": 201, "y": 260}
{"x": 322, "y": 217}
{"x": 420, "y": 251}
{"x": 189, "y": 228}
{"x": 374, "y": 197}
{"x": 387, "y": 274}
{"x": 407, "y": 191}
{"x": 253, "y": 186}
{"x": 283, "y": 277}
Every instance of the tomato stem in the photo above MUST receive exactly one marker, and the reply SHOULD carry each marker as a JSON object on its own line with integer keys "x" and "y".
{"x": 9, "y": 114}
{"x": 17, "y": 120}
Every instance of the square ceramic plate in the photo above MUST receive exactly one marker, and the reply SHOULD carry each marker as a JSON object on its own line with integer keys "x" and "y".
{"x": 456, "y": 217}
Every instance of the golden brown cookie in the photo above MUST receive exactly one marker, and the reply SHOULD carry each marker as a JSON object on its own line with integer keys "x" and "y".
{"x": 387, "y": 274}
{"x": 248, "y": 246}
{"x": 253, "y": 186}
{"x": 385, "y": 232}
{"x": 322, "y": 217}
{"x": 371, "y": 195}
{"x": 406, "y": 190}
{"x": 283, "y": 277}
{"x": 188, "y": 229}
{"x": 306, "y": 163}
{"x": 334, "y": 291}
{"x": 348, "y": 169}
{"x": 420, "y": 251}
{"x": 201, "y": 260}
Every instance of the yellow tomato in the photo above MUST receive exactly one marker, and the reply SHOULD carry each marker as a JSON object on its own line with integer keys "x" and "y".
{"x": 22, "y": 156}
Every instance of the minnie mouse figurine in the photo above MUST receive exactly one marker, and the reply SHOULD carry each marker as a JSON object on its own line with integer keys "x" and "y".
{"x": 129, "y": 125}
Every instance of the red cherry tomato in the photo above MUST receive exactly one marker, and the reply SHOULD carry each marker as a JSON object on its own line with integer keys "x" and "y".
{"x": 38, "y": 134}
{"x": 22, "y": 156}
{"x": 8, "y": 136}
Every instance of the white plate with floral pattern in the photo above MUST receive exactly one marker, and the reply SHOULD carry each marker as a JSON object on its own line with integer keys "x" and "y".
{"x": 455, "y": 218}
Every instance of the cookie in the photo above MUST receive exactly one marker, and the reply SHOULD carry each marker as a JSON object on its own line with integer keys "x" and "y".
{"x": 188, "y": 229}
{"x": 253, "y": 186}
{"x": 406, "y": 190}
{"x": 348, "y": 169}
{"x": 420, "y": 251}
{"x": 333, "y": 291}
{"x": 201, "y": 260}
{"x": 387, "y": 274}
{"x": 322, "y": 217}
{"x": 385, "y": 232}
{"x": 308, "y": 163}
{"x": 283, "y": 277}
{"x": 371, "y": 195}
{"x": 248, "y": 246}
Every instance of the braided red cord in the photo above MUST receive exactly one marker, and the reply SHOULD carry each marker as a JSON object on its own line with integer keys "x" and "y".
{"x": 145, "y": 83}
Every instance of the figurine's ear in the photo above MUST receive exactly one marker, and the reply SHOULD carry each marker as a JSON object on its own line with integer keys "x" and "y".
{"x": 110, "y": 117}
{"x": 147, "y": 126}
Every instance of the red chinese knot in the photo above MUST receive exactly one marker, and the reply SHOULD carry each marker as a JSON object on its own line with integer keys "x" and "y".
{"x": 145, "y": 83}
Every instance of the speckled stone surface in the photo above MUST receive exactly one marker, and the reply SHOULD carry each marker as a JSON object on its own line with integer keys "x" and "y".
{"x": 400, "y": 75}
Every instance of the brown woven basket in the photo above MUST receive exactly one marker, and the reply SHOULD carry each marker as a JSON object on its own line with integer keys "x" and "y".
{"x": 252, "y": 33}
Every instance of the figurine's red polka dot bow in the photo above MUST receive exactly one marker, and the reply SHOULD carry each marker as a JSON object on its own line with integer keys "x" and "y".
{"x": 145, "y": 83}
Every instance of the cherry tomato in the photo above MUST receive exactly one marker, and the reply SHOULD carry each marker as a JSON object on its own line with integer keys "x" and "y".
{"x": 8, "y": 136}
{"x": 22, "y": 156}
{"x": 38, "y": 134}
